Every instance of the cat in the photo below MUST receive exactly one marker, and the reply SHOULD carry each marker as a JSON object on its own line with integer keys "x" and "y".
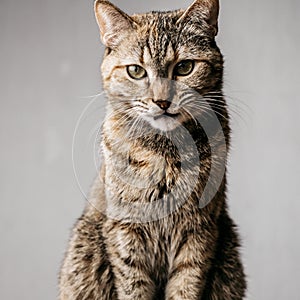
{"x": 157, "y": 225}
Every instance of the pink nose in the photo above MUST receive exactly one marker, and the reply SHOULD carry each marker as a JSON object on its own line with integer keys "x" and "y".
{"x": 163, "y": 104}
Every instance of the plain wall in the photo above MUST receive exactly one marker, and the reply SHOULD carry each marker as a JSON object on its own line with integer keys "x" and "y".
{"x": 49, "y": 64}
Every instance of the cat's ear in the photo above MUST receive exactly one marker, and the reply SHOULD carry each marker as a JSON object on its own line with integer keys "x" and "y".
{"x": 207, "y": 9}
{"x": 113, "y": 23}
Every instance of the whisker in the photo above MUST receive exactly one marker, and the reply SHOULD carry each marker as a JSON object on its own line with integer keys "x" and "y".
{"x": 240, "y": 106}
{"x": 93, "y": 96}
{"x": 185, "y": 111}
{"x": 203, "y": 106}
{"x": 234, "y": 109}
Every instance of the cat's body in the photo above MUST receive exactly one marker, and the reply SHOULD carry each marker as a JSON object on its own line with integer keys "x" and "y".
{"x": 146, "y": 233}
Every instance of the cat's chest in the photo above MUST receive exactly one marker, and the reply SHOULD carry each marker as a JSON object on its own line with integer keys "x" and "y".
{"x": 152, "y": 244}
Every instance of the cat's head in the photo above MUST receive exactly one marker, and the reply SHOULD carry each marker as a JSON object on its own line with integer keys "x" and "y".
{"x": 157, "y": 65}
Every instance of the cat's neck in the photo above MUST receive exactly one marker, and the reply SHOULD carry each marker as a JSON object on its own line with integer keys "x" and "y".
{"x": 156, "y": 166}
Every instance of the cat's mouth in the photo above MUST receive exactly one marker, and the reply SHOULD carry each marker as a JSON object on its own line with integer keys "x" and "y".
{"x": 166, "y": 114}
{"x": 166, "y": 121}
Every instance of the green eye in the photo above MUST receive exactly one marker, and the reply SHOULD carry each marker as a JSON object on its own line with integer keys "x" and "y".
{"x": 136, "y": 72}
{"x": 184, "y": 68}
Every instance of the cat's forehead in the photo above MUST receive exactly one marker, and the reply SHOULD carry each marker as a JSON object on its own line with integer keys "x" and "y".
{"x": 160, "y": 39}
{"x": 161, "y": 21}
{"x": 157, "y": 34}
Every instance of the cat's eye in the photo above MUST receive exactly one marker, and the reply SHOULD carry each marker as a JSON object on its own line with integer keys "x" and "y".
{"x": 184, "y": 68}
{"x": 136, "y": 72}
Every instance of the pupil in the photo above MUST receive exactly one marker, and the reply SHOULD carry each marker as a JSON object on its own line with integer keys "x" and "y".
{"x": 185, "y": 67}
{"x": 136, "y": 72}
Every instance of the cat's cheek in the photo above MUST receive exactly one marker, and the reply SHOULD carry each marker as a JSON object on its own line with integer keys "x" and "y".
{"x": 118, "y": 89}
{"x": 121, "y": 86}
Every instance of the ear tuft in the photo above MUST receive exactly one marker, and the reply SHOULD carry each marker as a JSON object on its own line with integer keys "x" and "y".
{"x": 207, "y": 9}
{"x": 113, "y": 23}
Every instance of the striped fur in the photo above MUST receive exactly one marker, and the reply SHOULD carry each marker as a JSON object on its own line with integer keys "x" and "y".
{"x": 191, "y": 252}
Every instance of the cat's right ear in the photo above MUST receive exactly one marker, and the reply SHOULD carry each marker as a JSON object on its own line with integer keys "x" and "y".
{"x": 113, "y": 23}
{"x": 203, "y": 9}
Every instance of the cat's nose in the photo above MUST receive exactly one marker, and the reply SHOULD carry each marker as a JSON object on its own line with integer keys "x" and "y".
{"x": 163, "y": 104}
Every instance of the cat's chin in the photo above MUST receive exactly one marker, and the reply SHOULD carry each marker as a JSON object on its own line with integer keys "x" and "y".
{"x": 163, "y": 122}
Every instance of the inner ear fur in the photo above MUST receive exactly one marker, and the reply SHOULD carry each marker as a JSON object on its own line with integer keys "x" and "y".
{"x": 113, "y": 23}
{"x": 205, "y": 9}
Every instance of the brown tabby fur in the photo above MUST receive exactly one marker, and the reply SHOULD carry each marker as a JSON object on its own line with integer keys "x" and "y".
{"x": 191, "y": 252}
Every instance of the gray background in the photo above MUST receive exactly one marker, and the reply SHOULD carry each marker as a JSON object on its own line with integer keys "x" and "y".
{"x": 49, "y": 59}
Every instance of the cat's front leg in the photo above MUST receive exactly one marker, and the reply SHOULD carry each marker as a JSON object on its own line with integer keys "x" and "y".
{"x": 130, "y": 259}
{"x": 133, "y": 284}
{"x": 185, "y": 283}
{"x": 189, "y": 267}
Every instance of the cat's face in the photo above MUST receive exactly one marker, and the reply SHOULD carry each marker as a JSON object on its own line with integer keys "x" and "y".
{"x": 157, "y": 65}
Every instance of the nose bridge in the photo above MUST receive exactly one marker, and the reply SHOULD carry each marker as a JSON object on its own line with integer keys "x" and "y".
{"x": 160, "y": 88}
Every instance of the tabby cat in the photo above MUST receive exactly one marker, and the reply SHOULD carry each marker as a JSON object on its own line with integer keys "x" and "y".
{"x": 156, "y": 225}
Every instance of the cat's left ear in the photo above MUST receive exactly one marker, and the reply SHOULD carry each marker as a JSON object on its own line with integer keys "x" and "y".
{"x": 113, "y": 23}
{"x": 203, "y": 9}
